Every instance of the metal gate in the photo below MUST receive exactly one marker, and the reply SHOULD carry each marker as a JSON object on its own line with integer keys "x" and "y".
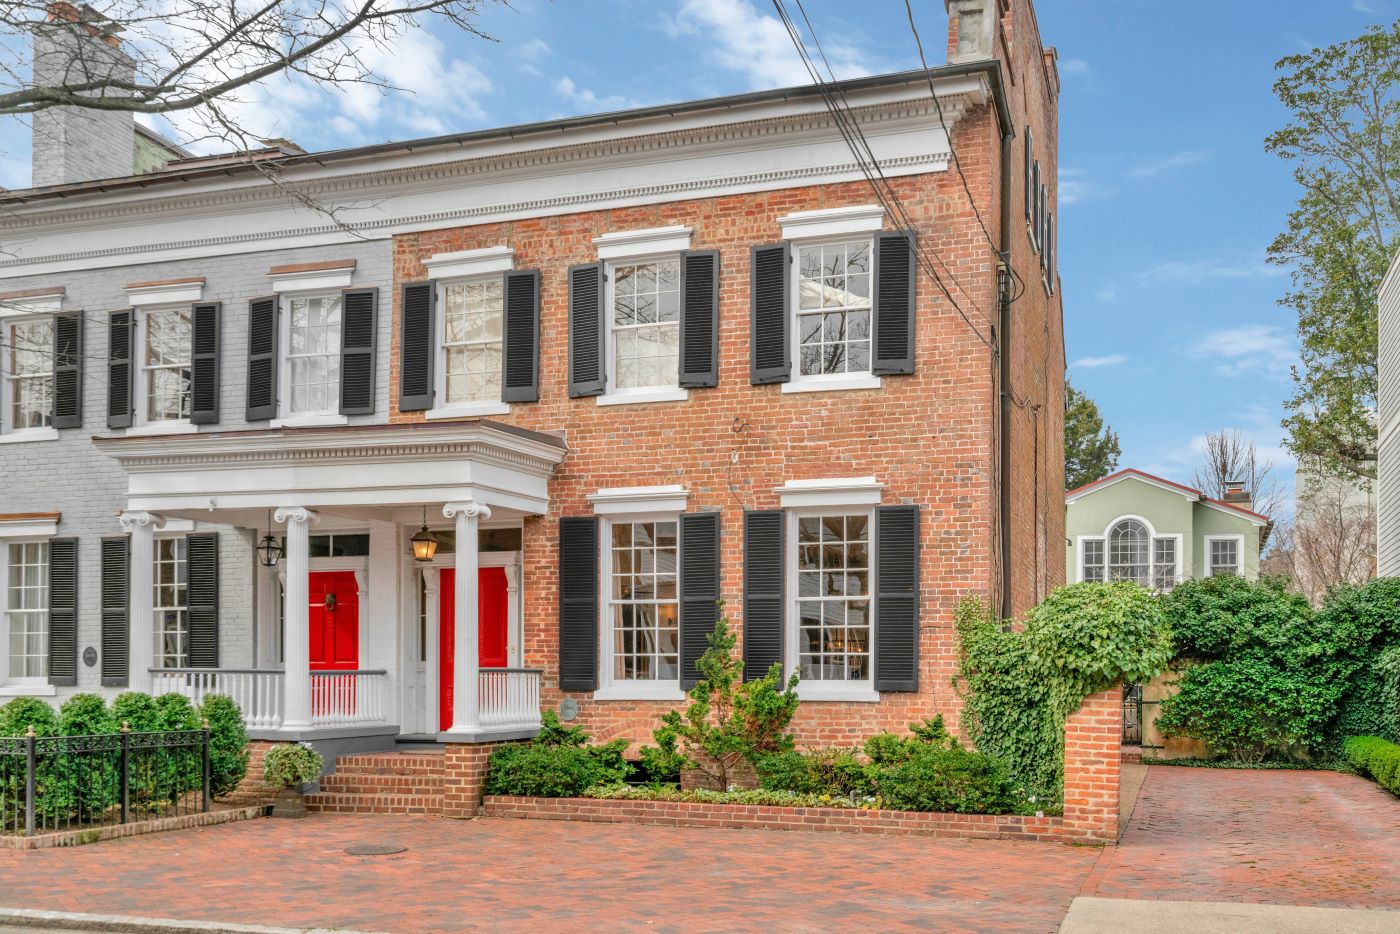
{"x": 1132, "y": 715}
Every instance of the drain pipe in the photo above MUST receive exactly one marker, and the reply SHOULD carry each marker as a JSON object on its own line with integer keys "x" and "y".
{"x": 1005, "y": 284}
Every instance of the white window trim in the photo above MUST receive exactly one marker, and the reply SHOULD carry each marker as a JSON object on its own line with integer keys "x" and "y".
{"x": 639, "y": 500}
{"x": 1152, "y": 536}
{"x": 167, "y": 534}
{"x": 830, "y": 494}
{"x": 468, "y": 264}
{"x": 1239, "y": 552}
{"x": 15, "y": 533}
{"x": 313, "y": 280}
{"x": 286, "y": 419}
{"x": 612, "y": 395}
{"x": 141, "y": 423}
{"x": 824, "y": 382}
{"x": 464, "y": 409}
{"x": 854, "y": 691}
{"x": 169, "y": 293}
{"x": 30, "y": 310}
{"x": 833, "y": 223}
{"x": 641, "y": 244}
{"x": 609, "y": 688}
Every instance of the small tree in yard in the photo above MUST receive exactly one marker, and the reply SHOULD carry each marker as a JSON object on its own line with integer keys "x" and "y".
{"x": 728, "y": 721}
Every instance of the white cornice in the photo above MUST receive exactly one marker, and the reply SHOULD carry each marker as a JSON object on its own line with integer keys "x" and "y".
{"x": 639, "y": 499}
{"x": 621, "y": 244}
{"x": 470, "y": 262}
{"x": 165, "y": 293}
{"x": 313, "y": 280}
{"x": 843, "y": 491}
{"x": 832, "y": 222}
{"x": 50, "y": 304}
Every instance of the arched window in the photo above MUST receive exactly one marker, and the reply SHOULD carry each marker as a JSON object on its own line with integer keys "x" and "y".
{"x": 1130, "y": 553}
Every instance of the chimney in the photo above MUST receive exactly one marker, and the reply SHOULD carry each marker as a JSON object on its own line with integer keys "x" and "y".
{"x": 972, "y": 29}
{"x": 77, "y": 45}
{"x": 1237, "y": 495}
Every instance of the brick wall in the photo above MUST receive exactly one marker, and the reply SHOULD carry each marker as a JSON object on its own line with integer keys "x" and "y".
{"x": 464, "y": 777}
{"x": 1093, "y": 741}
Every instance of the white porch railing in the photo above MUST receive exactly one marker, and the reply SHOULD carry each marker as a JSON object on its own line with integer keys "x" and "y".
{"x": 509, "y": 698}
{"x": 257, "y": 692}
{"x": 345, "y": 698}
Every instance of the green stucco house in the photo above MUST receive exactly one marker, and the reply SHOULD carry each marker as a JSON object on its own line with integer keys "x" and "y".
{"x": 1133, "y": 526}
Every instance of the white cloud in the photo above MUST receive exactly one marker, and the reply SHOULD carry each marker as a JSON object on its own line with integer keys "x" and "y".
{"x": 1074, "y": 67}
{"x": 1091, "y": 363}
{"x": 534, "y": 50}
{"x": 1194, "y": 272}
{"x": 1175, "y": 161}
{"x": 585, "y": 99}
{"x": 1075, "y": 186}
{"x": 1364, "y": 6}
{"x": 1107, "y": 293}
{"x": 757, "y": 45}
{"x": 1248, "y": 350}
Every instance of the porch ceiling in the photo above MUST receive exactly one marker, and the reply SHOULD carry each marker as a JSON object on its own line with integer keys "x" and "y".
{"x": 356, "y": 470}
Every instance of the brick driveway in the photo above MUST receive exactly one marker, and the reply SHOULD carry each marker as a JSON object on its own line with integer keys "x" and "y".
{"x": 1312, "y": 838}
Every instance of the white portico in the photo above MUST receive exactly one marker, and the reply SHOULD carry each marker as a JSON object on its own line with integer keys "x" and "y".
{"x": 352, "y": 634}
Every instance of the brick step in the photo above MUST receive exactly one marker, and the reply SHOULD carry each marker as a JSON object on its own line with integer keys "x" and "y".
{"x": 390, "y": 764}
{"x": 368, "y": 784}
{"x": 338, "y": 803}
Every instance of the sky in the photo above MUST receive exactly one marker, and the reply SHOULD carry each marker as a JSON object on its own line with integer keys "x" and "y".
{"x": 1168, "y": 199}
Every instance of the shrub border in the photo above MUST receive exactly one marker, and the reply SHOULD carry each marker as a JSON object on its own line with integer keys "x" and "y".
{"x": 137, "y": 828}
{"x": 774, "y": 817}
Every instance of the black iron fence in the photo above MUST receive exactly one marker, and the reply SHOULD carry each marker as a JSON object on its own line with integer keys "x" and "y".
{"x": 1132, "y": 715}
{"x": 52, "y": 783}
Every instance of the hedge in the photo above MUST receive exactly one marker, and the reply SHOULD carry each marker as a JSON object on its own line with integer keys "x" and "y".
{"x": 1376, "y": 757}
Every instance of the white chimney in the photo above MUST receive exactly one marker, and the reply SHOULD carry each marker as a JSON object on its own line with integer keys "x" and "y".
{"x": 76, "y": 144}
{"x": 972, "y": 30}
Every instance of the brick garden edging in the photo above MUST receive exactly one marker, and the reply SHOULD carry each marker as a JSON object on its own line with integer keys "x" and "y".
{"x": 772, "y": 817}
{"x": 117, "y": 831}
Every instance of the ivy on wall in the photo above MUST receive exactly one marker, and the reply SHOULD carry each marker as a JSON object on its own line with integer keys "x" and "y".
{"x": 1019, "y": 684}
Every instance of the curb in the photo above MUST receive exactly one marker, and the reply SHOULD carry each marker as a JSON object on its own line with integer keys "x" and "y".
{"x": 121, "y": 924}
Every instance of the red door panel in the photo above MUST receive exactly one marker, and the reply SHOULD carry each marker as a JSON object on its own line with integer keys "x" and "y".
{"x": 335, "y": 624}
{"x": 492, "y": 644}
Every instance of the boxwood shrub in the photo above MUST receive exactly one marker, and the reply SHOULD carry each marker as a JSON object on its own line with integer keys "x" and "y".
{"x": 1376, "y": 757}
{"x": 558, "y": 763}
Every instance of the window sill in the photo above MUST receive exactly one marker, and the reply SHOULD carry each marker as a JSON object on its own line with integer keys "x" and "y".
{"x": 833, "y": 383}
{"x": 662, "y": 691}
{"x": 29, "y": 434}
{"x": 28, "y": 690}
{"x": 181, "y": 427}
{"x": 309, "y": 421}
{"x": 817, "y": 691}
{"x": 637, "y": 396}
{"x": 469, "y": 410}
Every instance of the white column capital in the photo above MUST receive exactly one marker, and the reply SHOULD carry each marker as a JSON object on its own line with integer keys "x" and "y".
{"x": 469, "y": 508}
{"x": 290, "y": 514}
{"x": 132, "y": 519}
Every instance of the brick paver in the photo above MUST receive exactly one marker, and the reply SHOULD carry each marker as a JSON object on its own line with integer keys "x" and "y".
{"x": 547, "y": 876}
{"x": 1282, "y": 837}
{"x": 1307, "y": 838}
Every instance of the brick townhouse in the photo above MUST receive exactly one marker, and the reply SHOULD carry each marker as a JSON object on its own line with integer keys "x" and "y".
{"x": 535, "y": 400}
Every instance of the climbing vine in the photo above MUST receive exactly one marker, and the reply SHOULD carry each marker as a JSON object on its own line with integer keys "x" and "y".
{"x": 1019, "y": 684}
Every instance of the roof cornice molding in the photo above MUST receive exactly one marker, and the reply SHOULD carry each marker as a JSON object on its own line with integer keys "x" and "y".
{"x": 248, "y": 193}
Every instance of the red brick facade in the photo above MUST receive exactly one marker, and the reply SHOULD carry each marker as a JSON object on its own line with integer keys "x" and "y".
{"x": 1093, "y": 737}
{"x": 930, "y": 438}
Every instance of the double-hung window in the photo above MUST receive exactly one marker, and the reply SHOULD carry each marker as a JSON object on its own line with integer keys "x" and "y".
{"x": 26, "y": 375}
{"x": 170, "y": 603}
{"x": 643, "y": 613}
{"x": 1223, "y": 555}
{"x": 165, "y": 362}
{"x": 472, "y": 333}
{"x": 831, "y": 624}
{"x": 833, "y": 310}
{"x": 313, "y": 325}
{"x": 27, "y": 612}
{"x": 1130, "y": 550}
{"x": 644, "y": 332}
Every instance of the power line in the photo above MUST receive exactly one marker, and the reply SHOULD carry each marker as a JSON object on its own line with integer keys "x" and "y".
{"x": 888, "y": 197}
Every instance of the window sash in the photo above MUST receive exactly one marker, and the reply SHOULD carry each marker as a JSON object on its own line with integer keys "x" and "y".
{"x": 313, "y": 374}
{"x": 470, "y": 383}
{"x": 1224, "y": 556}
{"x": 827, "y": 310}
{"x": 165, "y": 361}
{"x": 837, "y": 593}
{"x": 644, "y": 354}
{"x": 27, "y": 611}
{"x": 27, "y": 367}
{"x": 644, "y": 649}
{"x": 170, "y": 603}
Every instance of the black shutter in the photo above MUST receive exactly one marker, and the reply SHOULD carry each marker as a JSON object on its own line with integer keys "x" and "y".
{"x": 763, "y": 592}
{"x": 63, "y": 611}
{"x": 699, "y": 319}
{"x": 1035, "y": 204}
{"x": 202, "y": 600}
{"x": 68, "y": 370}
{"x": 897, "y": 598}
{"x": 262, "y": 358}
{"x": 1050, "y": 250}
{"x": 578, "y": 604}
{"x": 116, "y": 626}
{"x": 1044, "y": 225}
{"x": 699, "y": 589}
{"x": 1030, "y": 176}
{"x": 893, "y": 314}
{"x": 204, "y": 363}
{"x": 120, "y": 366}
{"x": 587, "y": 374}
{"x": 768, "y": 287}
{"x": 416, "y": 348}
{"x": 520, "y": 371}
{"x": 357, "y": 332}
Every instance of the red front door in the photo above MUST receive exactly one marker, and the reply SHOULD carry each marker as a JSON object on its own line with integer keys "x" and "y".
{"x": 491, "y": 629}
{"x": 335, "y": 621}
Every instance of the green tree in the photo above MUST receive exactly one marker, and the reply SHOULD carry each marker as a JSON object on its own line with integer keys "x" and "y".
{"x": 1091, "y": 447}
{"x": 1343, "y": 140}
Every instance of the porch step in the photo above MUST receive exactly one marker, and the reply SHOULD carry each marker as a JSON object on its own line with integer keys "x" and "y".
{"x": 382, "y": 783}
{"x": 1131, "y": 754}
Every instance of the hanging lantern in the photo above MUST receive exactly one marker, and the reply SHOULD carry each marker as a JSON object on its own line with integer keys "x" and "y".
{"x": 269, "y": 548}
{"x": 425, "y": 543}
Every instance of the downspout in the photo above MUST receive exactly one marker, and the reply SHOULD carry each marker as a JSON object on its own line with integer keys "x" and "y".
{"x": 1004, "y": 355}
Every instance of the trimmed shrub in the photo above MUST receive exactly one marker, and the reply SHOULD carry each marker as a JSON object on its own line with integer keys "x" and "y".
{"x": 558, "y": 763}
{"x": 228, "y": 743}
{"x": 175, "y": 712}
{"x": 17, "y": 716}
{"x": 1376, "y": 757}
{"x": 138, "y": 711}
{"x": 834, "y": 772}
{"x": 947, "y": 779}
{"x": 85, "y": 715}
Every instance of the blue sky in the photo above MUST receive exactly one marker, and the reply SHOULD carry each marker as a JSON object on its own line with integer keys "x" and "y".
{"x": 1168, "y": 200}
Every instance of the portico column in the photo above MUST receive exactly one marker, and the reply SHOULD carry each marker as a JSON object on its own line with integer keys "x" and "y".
{"x": 141, "y": 653}
{"x": 464, "y": 625}
{"x": 296, "y": 636}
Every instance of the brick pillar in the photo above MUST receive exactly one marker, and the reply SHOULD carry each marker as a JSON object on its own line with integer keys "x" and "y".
{"x": 464, "y": 777}
{"x": 1093, "y": 741}
{"x": 252, "y": 789}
